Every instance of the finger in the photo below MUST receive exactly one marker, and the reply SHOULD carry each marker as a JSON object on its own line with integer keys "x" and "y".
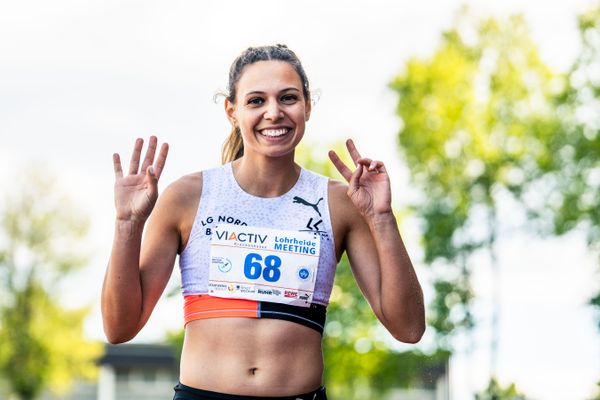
{"x": 364, "y": 161}
{"x": 152, "y": 189}
{"x": 375, "y": 166}
{"x": 353, "y": 151}
{"x": 353, "y": 183}
{"x": 117, "y": 166}
{"x": 161, "y": 160}
{"x": 372, "y": 165}
{"x": 135, "y": 157}
{"x": 149, "y": 158}
{"x": 340, "y": 165}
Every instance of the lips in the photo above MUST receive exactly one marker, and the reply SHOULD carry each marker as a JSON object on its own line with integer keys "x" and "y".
{"x": 274, "y": 132}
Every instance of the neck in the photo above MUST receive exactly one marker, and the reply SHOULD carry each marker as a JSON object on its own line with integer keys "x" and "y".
{"x": 266, "y": 176}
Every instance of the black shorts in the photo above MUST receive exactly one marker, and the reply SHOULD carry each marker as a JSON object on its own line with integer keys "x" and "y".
{"x": 183, "y": 392}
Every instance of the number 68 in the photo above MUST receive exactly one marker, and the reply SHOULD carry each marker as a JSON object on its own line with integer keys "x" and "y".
{"x": 253, "y": 268}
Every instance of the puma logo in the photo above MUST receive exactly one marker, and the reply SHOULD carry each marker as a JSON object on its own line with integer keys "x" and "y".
{"x": 306, "y": 203}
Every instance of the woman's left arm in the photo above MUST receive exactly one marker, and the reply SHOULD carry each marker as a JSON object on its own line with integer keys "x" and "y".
{"x": 375, "y": 249}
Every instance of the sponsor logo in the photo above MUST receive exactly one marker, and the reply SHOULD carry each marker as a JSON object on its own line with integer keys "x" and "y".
{"x": 225, "y": 265}
{"x": 269, "y": 292}
{"x": 231, "y": 288}
{"x": 246, "y": 289}
{"x": 241, "y": 237}
{"x": 315, "y": 207}
{"x": 314, "y": 226}
{"x": 303, "y": 274}
{"x": 219, "y": 286}
{"x": 304, "y": 296}
{"x": 291, "y": 294}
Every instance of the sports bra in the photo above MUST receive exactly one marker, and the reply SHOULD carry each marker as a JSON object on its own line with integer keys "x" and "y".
{"x": 305, "y": 207}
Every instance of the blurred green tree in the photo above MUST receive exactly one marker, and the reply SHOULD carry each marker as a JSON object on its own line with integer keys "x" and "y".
{"x": 571, "y": 199}
{"x": 597, "y": 396}
{"x": 572, "y": 196}
{"x": 574, "y": 157}
{"x": 496, "y": 392}
{"x": 477, "y": 117}
{"x": 360, "y": 362}
{"x": 41, "y": 343}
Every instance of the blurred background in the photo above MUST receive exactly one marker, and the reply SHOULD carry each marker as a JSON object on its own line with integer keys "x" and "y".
{"x": 487, "y": 114}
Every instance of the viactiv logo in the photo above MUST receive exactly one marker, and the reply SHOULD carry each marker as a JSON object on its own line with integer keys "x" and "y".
{"x": 242, "y": 237}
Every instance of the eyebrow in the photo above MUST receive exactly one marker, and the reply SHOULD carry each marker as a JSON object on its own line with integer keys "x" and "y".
{"x": 261, "y": 92}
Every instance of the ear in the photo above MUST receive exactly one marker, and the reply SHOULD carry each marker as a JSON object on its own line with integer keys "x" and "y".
{"x": 230, "y": 111}
{"x": 307, "y": 108}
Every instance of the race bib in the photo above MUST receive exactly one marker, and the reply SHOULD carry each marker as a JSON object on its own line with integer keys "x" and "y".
{"x": 263, "y": 264}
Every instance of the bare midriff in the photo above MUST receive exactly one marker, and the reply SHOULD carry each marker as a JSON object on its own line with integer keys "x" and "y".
{"x": 253, "y": 357}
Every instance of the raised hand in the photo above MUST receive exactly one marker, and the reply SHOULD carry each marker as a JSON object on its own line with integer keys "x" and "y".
{"x": 368, "y": 184}
{"x": 136, "y": 193}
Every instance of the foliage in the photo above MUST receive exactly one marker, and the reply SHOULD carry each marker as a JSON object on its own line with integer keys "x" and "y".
{"x": 359, "y": 361}
{"x": 484, "y": 117}
{"x": 41, "y": 344}
{"x": 477, "y": 117}
{"x": 572, "y": 198}
{"x": 597, "y": 396}
{"x": 575, "y": 162}
{"x": 595, "y": 301}
{"x": 175, "y": 340}
{"x": 495, "y": 392}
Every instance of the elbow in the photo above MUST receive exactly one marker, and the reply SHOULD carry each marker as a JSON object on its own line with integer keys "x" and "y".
{"x": 117, "y": 335}
{"x": 114, "y": 338}
{"x": 118, "y": 329}
{"x": 410, "y": 336}
{"x": 405, "y": 328}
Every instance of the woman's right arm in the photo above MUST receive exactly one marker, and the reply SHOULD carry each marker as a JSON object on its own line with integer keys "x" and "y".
{"x": 134, "y": 279}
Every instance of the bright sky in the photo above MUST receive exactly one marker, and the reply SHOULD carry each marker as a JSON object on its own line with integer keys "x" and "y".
{"x": 80, "y": 80}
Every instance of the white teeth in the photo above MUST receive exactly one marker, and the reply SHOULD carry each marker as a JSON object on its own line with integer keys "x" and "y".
{"x": 274, "y": 132}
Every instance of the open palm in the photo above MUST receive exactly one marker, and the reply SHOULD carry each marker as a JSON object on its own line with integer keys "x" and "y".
{"x": 136, "y": 193}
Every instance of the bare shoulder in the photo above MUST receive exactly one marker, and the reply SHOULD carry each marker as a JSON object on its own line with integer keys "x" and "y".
{"x": 179, "y": 204}
{"x": 344, "y": 215}
{"x": 184, "y": 190}
{"x": 339, "y": 202}
{"x": 179, "y": 200}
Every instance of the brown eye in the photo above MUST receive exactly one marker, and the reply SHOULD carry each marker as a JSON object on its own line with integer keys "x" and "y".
{"x": 289, "y": 98}
{"x": 255, "y": 101}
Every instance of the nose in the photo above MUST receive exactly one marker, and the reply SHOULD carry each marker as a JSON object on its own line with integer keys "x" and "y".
{"x": 273, "y": 112}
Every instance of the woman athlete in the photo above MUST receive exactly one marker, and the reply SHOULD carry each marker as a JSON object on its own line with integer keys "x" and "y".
{"x": 259, "y": 239}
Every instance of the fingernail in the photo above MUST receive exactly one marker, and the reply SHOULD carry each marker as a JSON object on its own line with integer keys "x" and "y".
{"x": 151, "y": 170}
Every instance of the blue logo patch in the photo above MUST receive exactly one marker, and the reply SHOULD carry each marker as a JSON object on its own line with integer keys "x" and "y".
{"x": 225, "y": 266}
{"x": 303, "y": 273}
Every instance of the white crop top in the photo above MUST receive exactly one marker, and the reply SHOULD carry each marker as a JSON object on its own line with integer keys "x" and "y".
{"x": 305, "y": 207}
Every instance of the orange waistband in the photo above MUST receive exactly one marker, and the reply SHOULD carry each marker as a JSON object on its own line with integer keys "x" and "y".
{"x": 201, "y": 306}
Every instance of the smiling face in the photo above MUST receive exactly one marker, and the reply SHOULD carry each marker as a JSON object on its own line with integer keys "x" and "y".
{"x": 270, "y": 108}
